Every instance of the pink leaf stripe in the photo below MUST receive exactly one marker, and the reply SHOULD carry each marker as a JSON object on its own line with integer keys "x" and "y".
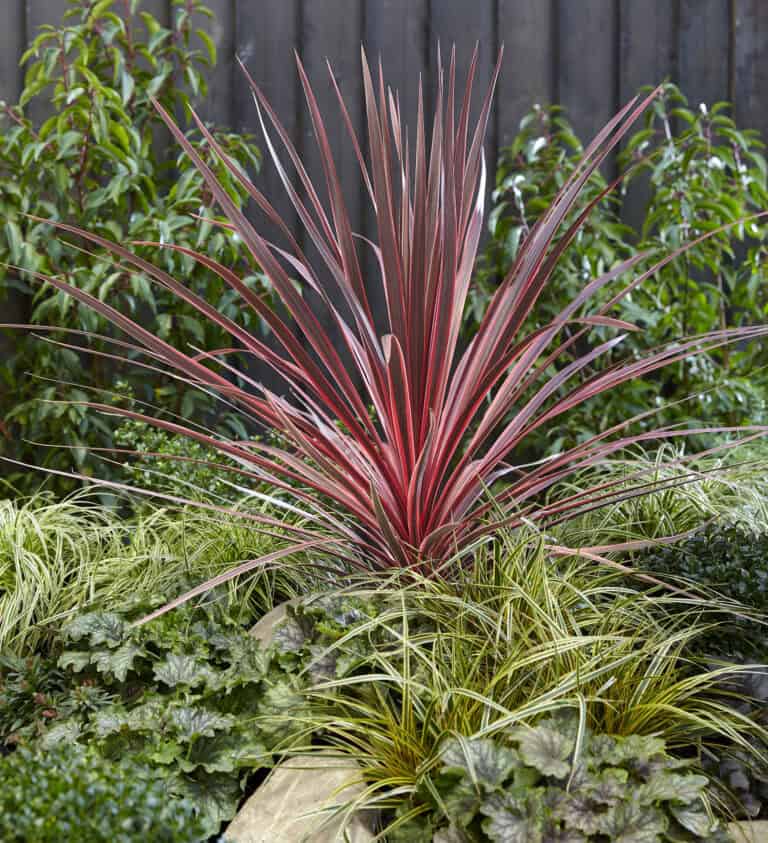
{"x": 405, "y": 462}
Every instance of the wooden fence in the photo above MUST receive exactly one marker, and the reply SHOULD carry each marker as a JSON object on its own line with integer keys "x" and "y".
{"x": 589, "y": 55}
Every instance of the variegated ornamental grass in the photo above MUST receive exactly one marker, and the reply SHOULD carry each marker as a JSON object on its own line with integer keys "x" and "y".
{"x": 407, "y": 484}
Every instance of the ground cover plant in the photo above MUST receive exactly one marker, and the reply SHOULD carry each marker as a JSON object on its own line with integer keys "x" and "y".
{"x": 688, "y": 170}
{"x": 397, "y": 670}
{"x": 84, "y": 144}
{"x": 67, "y": 794}
{"x": 532, "y": 789}
{"x": 192, "y": 698}
{"x": 388, "y": 672}
{"x": 412, "y": 477}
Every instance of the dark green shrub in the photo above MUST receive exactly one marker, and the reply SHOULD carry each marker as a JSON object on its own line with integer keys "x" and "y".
{"x": 694, "y": 170}
{"x": 96, "y": 158}
{"x": 551, "y": 782}
{"x": 69, "y": 795}
{"x": 733, "y": 560}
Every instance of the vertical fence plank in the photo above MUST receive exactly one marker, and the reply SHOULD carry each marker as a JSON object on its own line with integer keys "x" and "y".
{"x": 217, "y": 107}
{"x": 13, "y": 305}
{"x": 648, "y": 41}
{"x": 265, "y": 39}
{"x": 647, "y": 45}
{"x": 527, "y": 31}
{"x": 12, "y": 38}
{"x": 587, "y": 72}
{"x": 466, "y": 24}
{"x": 332, "y": 30}
{"x": 40, "y": 12}
{"x": 398, "y": 32}
{"x": 750, "y": 64}
{"x": 704, "y": 50}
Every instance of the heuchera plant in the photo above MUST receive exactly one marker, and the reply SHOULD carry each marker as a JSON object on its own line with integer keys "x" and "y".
{"x": 411, "y": 479}
{"x": 554, "y": 782}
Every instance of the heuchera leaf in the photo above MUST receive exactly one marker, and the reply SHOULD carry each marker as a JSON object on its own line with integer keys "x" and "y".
{"x": 664, "y": 786}
{"x": 227, "y": 753}
{"x": 110, "y": 721}
{"x": 98, "y": 627}
{"x": 462, "y": 801}
{"x": 546, "y": 749}
{"x": 505, "y": 822}
{"x": 76, "y": 659}
{"x": 181, "y": 669}
{"x": 695, "y": 819}
{"x": 62, "y": 734}
{"x": 191, "y": 723}
{"x": 117, "y": 662}
{"x": 484, "y": 761}
{"x": 579, "y": 813}
{"x": 630, "y": 822}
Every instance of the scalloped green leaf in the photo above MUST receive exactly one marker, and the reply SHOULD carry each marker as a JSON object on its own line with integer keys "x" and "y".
{"x": 110, "y": 721}
{"x": 65, "y": 733}
{"x": 77, "y": 660}
{"x": 181, "y": 669}
{"x": 98, "y": 627}
{"x": 578, "y": 812}
{"x": 546, "y": 749}
{"x": 484, "y": 761}
{"x": 190, "y": 722}
{"x": 696, "y": 820}
{"x": 505, "y": 824}
{"x": 672, "y": 787}
{"x": 117, "y": 662}
{"x": 630, "y": 822}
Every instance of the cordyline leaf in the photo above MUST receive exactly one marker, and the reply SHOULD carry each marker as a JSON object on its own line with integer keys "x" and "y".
{"x": 406, "y": 484}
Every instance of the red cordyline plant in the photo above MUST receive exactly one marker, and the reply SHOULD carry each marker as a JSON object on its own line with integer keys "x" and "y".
{"x": 408, "y": 484}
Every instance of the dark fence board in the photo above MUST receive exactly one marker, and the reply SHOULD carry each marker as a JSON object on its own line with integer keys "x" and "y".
{"x": 704, "y": 50}
{"x": 41, "y": 12}
{"x": 647, "y": 45}
{"x": 466, "y": 24}
{"x": 12, "y": 42}
{"x": 218, "y": 105}
{"x": 587, "y": 72}
{"x": 528, "y": 33}
{"x": 398, "y": 32}
{"x": 647, "y": 56}
{"x": 750, "y": 77}
{"x": 332, "y": 30}
{"x": 267, "y": 51}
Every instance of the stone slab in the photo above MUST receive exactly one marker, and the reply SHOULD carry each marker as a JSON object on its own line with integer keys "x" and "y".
{"x": 265, "y": 628}
{"x": 288, "y": 807}
{"x": 749, "y": 832}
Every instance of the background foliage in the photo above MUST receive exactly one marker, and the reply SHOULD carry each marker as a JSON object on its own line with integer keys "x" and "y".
{"x": 84, "y": 144}
{"x": 690, "y": 171}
